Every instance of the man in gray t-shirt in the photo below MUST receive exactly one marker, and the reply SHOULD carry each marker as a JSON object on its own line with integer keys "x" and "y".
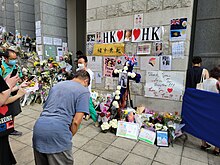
{"x": 64, "y": 108}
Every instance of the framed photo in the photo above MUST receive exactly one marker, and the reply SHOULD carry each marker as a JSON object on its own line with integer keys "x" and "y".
{"x": 123, "y": 80}
{"x": 162, "y": 139}
{"x": 143, "y": 49}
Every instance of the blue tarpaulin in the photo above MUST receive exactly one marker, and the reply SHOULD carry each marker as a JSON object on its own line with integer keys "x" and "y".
{"x": 201, "y": 114}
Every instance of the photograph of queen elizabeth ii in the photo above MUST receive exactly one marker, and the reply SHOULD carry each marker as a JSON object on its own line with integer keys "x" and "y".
{"x": 123, "y": 80}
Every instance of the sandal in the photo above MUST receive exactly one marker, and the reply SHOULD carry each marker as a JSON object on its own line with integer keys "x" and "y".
{"x": 216, "y": 153}
{"x": 205, "y": 147}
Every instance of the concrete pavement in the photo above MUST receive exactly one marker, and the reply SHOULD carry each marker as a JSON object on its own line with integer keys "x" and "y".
{"x": 90, "y": 146}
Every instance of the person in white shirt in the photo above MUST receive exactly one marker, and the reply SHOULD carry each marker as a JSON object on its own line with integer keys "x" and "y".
{"x": 82, "y": 64}
{"x": 212, "y": 85}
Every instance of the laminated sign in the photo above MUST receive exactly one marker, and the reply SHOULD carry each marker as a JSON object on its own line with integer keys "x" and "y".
{"x": 109, "y": 49}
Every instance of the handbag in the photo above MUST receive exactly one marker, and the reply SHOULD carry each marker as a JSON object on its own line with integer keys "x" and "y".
{"x": 6, "y": 121}
{"x": 200, "y": 85}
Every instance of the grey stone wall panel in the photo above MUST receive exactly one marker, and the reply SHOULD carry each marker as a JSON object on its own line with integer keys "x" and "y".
{"x": 27, "y": 8}
{"x": 49, "y": 30}
{"x": 57, "y": 3}
{"x": 170, "y": 4}
{"x": 125, "y": 8}
{"x": 53, "y": 10}
{"x": 27, "y": 25}
{"x": 101, "y": 12}
{"x": 94, "y": 26}
{"x": 125, "y": 22}
{"x": 94, "y": 4}
{"x": 155, "y": 5}
{"x": 112, "y": 2}
{"x": 27, "y": 17}
{"x": 208, "y": 10}
{"x": 187, "y": 3}
{"x": 91, "y": 15}
{"x": 9, "y": 7}
{"x": 139, "y": 6}
{"x": 54, "y": 21}
{"x": 112, "y": 11}
{"x": 10, "y": 15}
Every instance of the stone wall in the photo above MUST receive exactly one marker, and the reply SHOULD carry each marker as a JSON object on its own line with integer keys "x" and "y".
{"x": 24, "y": 17}
{"x": 207, "y": 35}
{"x": 7, "y": 17}
{"x": 105, "y": 15}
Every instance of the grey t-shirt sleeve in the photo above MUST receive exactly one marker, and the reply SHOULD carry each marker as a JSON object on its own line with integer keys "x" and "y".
{"x": 82, "y": 103}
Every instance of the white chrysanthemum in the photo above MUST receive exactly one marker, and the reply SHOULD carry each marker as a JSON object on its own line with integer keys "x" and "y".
{"x": 165, "y": 128}
{"x": 133, "y": 75}
{"x": 127, "y": 63}
{"x": 114, "y": 123}
{"x": 125, "y": 67}
{"x": 129, "y": 73}
{"x": 158, "y": 126}
{"x": 118, "y": 87}
{"x": 119, "y": 70}
{"x": 117, "y": 97}
{"x": 117, "y": 92}
{"x": 115, "y": 103}
{"x": 116, "y": 71}
{"x": 105, "y": 126}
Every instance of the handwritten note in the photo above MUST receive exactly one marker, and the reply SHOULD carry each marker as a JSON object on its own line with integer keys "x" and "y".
{"x": 164, "y": 84}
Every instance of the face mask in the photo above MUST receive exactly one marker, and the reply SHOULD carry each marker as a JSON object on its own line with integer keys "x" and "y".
{"x": 81, "y": 66}
{"x": 12, "y": 62}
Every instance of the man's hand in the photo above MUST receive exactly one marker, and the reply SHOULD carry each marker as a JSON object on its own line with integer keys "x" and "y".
{"x": 76, "y": 122}
{"x": 24, "y": 84}
{"x": 21, "y": 92}
{"x": 11, "y": 81}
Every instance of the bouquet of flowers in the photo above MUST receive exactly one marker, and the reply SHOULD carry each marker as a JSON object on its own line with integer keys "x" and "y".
{"x": 105, "y": 127}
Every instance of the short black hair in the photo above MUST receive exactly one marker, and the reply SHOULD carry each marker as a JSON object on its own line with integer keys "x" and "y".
{"x": 4, "y": 54}
{"x": 196, "y": 60}
{"x": 215, "y": 73}
{"x": 84, "y": 57}
{"x": 83, "y": 75}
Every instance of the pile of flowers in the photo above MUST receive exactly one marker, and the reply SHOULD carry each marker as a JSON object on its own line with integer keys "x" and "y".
{"x": 170, "y": 122}
{"x": 112, "y": 125}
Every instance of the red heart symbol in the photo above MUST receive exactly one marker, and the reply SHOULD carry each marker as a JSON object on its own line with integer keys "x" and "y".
{"x": 120, "y": 35}
{"x": 136, "y": 33}
{"x": 170, "y": 90}
{"x": 4, "y": 109}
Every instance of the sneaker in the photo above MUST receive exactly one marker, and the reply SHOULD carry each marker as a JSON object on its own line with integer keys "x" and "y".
{"x": 87, "y": 117}
{"x": 205, "y": 147}
{"x": 16, "y": 133}
{"x": 96, "y": 124}
{"x": 216, "y": 153}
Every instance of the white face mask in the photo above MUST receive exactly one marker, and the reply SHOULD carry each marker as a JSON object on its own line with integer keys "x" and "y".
{"x": 81, "y": 66}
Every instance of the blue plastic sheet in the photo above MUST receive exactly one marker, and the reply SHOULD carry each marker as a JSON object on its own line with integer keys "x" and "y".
{"x": 201, "y": 114}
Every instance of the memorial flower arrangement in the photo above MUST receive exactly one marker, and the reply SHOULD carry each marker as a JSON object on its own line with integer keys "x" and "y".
{"x": 105, "y": 127}
{"x": 164, "y": 122}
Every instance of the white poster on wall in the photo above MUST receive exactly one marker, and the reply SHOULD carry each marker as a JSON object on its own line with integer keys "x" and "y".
{"x": 149, "y": 63}
{"x": 138, "y": 20}
{"x": 95, "y": 63}
{"x": 165, "y": 62}
{"x": 164, "y": 84}
{"x": 98, "y": 77}
{"x": 38, "y": 40}
{"x": 39, "y": 49}
{"x": 38, "y": 24}
{"x": 57, "y": 41}
{"x": 38, "y": 32}
{"x": 59, "y": 51}
{"x": 48, "y": 40}
{"x": 178, "y": 50}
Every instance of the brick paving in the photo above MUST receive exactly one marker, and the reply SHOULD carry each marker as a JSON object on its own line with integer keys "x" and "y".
{"x": 90, "y": 146}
